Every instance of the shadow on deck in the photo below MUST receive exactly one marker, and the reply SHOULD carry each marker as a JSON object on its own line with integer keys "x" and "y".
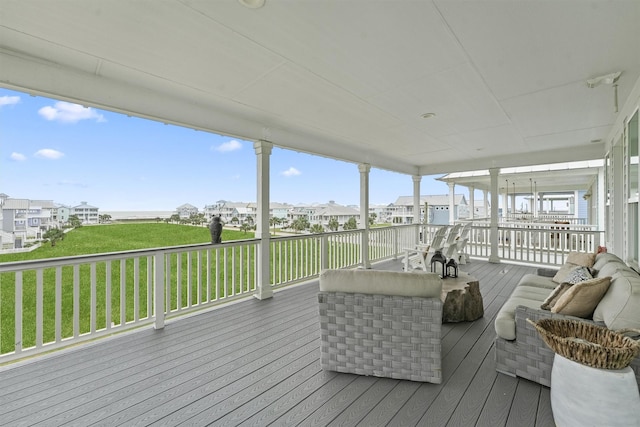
{"x": 256, "y": 363}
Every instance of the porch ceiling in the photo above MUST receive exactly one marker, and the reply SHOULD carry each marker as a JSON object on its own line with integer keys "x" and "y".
{"x": 344, "y": 79}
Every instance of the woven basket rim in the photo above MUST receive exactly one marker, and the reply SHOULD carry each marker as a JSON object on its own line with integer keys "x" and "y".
{"x": 587, "y": 343}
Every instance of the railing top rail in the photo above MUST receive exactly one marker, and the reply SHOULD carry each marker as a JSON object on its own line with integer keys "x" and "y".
{"x": 84, "y": 259}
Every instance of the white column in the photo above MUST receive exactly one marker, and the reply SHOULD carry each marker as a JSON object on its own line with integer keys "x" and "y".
{"x": 472, "y": 202}
{"x": 600, "y": 204}
{"x": 493, "y": 257}
{"x": 505, "y": 204}
{"x": 452, "y": 202}
{"x": 485, "y": 195}
{"x": 364, "y": 212}
{"x": 416, "y": 205}
{"x": 513, "y": 203}
{"x": 263, "y": 286}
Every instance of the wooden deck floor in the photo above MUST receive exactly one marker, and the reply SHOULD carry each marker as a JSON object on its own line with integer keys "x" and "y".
{"x": 255, "y": 363}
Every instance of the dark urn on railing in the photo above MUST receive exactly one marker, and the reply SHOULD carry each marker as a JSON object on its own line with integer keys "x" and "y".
{"x": 216, "y": 230}
{"x": 439, "y": 258}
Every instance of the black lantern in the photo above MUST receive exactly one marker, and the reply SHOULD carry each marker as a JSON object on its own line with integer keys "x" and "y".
{"x": 452, "y": 268}
{"x": 436, "y": 259}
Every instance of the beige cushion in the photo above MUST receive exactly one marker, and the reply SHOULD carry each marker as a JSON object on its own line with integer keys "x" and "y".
{"x": 620, "y": 306}
{"x": 581, "y": 299}
{"x": 426, "y": 285}
{"x": 555, "y": 296}
{"x": 529, "y": 296}
{"x": 574, "y": 259}
{"x": 536, "y": 281}
{"x": 581, "y": 258}
{"x": 605, "y": 257}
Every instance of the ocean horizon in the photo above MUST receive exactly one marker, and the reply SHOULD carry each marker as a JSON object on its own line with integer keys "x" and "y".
{"x": 137, "y": 215}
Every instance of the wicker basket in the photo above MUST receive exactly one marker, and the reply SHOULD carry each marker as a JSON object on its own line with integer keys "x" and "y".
{"x": 588, "y": 344}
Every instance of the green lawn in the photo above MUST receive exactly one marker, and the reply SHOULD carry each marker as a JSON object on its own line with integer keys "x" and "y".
{"x": 93, "y": 240}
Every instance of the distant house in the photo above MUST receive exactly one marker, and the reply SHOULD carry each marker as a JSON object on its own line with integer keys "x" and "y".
{"x": 25, "y": 219}
{"x": 86, "y": 213}
{"x": 437, "y": 209}
{"x": 186, "y": 210}
{"x": 60, "y": 213}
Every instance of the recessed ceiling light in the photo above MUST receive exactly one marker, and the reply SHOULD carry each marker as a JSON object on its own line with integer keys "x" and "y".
{"x": 252, "y": 4}
{"x": 595, "y": 141}
{"x": 428, "y": 115}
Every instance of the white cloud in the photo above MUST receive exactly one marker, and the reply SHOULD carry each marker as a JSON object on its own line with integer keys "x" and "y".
{"x": 70, "y": 183}
{"x": 49, "y": 153}
{"x": 225, "y": 147}
{"x": 291, "y": 172}
{"x": 9, "y": 100}
{"x": 66, "y": 112}
{"x": 18, "y": 157}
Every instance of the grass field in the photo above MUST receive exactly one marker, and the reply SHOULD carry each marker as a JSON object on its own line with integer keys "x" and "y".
{"x": 96, "y": 240}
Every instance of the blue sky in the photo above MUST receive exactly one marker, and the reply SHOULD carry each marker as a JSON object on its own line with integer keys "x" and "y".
{"x": 53, "y": 150}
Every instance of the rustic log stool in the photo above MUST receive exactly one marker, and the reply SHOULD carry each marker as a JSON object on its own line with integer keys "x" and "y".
{"x": 461, "y": 298}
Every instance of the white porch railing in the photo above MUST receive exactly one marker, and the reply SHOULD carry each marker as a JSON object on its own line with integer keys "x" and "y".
{"x": 51, "y": 303}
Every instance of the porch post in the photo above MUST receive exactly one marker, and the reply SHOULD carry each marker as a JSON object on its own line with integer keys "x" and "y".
{"x": 485, "y": 194}
{"x": 505, "y": 204}
{"x": 364, "y": 212}
{"x": 263, "y": 285}
{"x": 452, "y": 202}
{"x": 493, "y": 256}
{"x": 416, "y": 205}
{"x": 472, "y": 203}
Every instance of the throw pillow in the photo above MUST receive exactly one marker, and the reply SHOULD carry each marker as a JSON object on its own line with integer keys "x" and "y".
{"x": 581, "y": 299}
{"x": 564, "y": 271}
{"x": 577, "y": 275}
{"x": 555, "y": 296}
{"x": 581, "y": 258}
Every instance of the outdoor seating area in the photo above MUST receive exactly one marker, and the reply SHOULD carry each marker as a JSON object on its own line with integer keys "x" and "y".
{"x": 611, "y": 298}
{"x": 258, "y": 362}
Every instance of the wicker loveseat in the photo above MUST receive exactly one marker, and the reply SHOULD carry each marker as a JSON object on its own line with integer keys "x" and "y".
{"x": 381, "y": 323}
{"x": 519, "y": 349}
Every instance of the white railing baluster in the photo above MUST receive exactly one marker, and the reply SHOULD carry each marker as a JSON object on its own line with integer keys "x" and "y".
{"x": 189, "y": 281}
{"x": 107, "y": 296}
{"x": 18, "y": 313}
{"x": 58, "y": 305}
{"x": 179, "y": 282}
{"x": 199, "y": 278}
{"x": 94, "y": 297}
{"x": 76, "y": 300}
{"x": 136, "y": 289}
{"x": 150, "y": 287}
{"x": 123, "y": 292}
{"x": 39, "y": 307}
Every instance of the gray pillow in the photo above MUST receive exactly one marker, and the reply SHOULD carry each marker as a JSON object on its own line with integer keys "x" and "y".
{"x": 577, "y": 275}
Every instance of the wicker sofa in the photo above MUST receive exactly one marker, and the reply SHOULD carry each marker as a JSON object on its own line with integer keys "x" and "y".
{"x": 381, "y": 323}
{"x": 519, "y": 349}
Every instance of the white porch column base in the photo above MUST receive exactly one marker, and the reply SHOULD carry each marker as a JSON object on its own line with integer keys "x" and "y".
{"x": 263, "y": 293}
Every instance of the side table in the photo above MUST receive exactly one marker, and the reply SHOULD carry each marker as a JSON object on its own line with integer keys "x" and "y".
{"x": 461, "y": 298}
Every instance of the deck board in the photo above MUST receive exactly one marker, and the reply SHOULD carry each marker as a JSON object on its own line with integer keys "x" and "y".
{"x": 256, "y": 363}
